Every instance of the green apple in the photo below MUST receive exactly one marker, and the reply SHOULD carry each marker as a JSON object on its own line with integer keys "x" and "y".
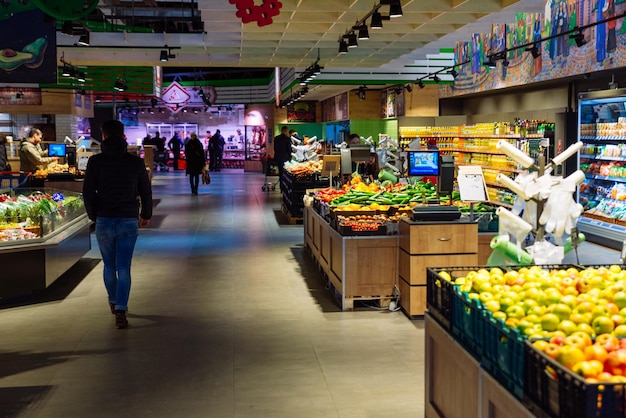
{"x": 619, "y": 298}
{"x": 550, "y": 322}
{"x": 552, "y": 295}
{"x": 561, "y": 310}
{"x": 567, "y": 326}
{"x": 499, "y": 315}
{"x": 620, "y": 331}
{"x": 600, "y": 310}
{"x": 602, "y": 325}
{"x": 515, "y": 311}
{"x": 492, "y": 305}
{"x": 569, "y": 300}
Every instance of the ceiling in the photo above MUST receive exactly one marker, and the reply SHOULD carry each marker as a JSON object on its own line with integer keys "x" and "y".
{"x": 208, "y": 33}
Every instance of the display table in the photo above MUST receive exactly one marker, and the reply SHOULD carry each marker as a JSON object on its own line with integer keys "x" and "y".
{"x": 358, "y": 267}
{"x": 31, "y": 266}
{"x": 431, "y": 244}
{"x": 455, "y": 384}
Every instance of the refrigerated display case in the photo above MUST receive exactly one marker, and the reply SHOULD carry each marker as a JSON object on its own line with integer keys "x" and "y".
{"x": 602, "y": 130}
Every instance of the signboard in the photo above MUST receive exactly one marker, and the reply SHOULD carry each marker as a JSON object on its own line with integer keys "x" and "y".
{"x": 472, "y": 184}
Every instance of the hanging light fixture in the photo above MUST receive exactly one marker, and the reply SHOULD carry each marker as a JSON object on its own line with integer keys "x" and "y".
{"x": 164, "y": 56}
{"x": 84, "y": 39}
{"x": 453, "y": 72}
{"x": 395, "y": 7}
{"x": 343, "y": 46}
{"x": 363, "y": 32}
{"x": 408, "y": 88}
{"x": 436, "y": 78}
{"x": 352, "y": 42}
{"x": 420, "y": 83}
{"x": 120, "y": 85}
{"x": 377, "y": 20}
{"x": 80, "y": 76}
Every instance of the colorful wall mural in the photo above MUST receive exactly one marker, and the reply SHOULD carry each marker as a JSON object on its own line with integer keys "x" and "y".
{"x": 560, "y": 56}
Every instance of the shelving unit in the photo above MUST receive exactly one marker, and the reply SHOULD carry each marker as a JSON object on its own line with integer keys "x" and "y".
{"x": 476, "y": 145}
{"x": 602, "y": 130}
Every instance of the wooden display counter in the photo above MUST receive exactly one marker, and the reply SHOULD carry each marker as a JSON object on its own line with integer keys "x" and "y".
{"x": 358, "y": 267}
{"x": 457, "y": 387}
{"x": 431, "y": 244}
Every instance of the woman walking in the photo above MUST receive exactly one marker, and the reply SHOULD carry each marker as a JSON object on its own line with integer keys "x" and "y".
{"x": 194, "y": 153}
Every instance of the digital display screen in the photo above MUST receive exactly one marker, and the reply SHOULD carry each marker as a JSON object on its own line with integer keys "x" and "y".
{"x": 423, "y": 163}
{"x": 56, "y": 150}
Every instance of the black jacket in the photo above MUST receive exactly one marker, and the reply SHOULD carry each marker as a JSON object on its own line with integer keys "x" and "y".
{"x": 194, "y": 153}
{"x": 113, "y": 181}
{"x": 282, "y": 149}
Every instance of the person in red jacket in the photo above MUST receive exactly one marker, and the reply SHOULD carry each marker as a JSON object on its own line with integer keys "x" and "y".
{"x": 118, "y": 198}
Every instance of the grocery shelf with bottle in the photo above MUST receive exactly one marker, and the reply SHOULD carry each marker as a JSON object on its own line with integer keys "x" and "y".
{"x": 477, "y": 145}
{"x": 602, "y": 131}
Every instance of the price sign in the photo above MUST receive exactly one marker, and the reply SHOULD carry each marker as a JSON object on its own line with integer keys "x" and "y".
{"x": 472, "y": 184}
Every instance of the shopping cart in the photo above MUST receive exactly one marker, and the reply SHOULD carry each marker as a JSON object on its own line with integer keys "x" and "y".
{"x": 161, "y": 159}
{"x": 270, "y": 168}
{"x": 11, "y": 180}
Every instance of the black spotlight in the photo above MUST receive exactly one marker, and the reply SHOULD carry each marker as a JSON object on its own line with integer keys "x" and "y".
{"x": 343, "y": 47}
{"x": 377, "y": 20}
{"x": 395, "y": 8}
{"x": 363, "y": 32}
{"x": 409, "y": 88}
{"x": 491, "y": 63}
{"x": 420, "y": 83}
{"x": 84, "y": 39}
{"x": 436, "y": 78}
{"x": 164, "y": 56}
{"x": 352, "y": 41}
{"x": 361, "y": 92}
{"x": 453, "y": 73}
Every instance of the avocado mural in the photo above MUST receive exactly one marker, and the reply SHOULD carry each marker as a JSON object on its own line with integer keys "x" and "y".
{"x": 28, "y": 48}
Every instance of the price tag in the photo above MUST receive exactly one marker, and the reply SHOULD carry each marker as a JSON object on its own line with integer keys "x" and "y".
{"x": 472, "y": 185}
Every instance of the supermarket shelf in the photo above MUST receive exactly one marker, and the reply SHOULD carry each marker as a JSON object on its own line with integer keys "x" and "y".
{"x": 608, "y": 178}
{"x": 487, "y": 167}
{"x": 601, "y": 157}
{"x": 603, "y": 138}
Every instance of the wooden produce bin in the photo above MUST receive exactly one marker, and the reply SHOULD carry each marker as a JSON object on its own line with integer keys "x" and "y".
{"x": 457, "y": 387}
{"x": 358, "y": 267}
{"x": 431, "y": 244}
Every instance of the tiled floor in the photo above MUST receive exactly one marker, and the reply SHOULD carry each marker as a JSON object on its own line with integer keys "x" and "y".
{"x": 229, "y": 318}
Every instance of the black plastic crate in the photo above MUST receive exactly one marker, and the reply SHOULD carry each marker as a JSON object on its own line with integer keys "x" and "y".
{"x": 439, "y": 297}
{"x": 468, "y": 323}
{"x": 503, "y": 354}
{"x": 551, "y": 390}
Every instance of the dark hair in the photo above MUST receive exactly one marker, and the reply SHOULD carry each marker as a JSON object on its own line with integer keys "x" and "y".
{"x": 33, "y": 131}
{"x": 113, "y": 128}
{"x": 353, "y": 136}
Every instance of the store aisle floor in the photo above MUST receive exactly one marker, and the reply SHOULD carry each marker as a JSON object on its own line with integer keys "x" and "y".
{"x": 229, "y": 318}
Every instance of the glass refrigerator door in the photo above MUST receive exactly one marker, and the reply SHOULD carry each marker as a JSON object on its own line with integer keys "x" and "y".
{"x": 602, "y": 130}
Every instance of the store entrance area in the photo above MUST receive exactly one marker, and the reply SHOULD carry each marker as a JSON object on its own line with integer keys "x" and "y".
{"x": 229, "y": 317}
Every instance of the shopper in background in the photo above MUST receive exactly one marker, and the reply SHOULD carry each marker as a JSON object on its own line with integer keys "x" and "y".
{"x": 175, "y": 145}
{"x": 216, "y": 151}
{"x": 195, "y": 161}
{"x": 4, "y": 165}
{"x": 354, "y": 139}
{"x": 114, "y": 180}
{"x": 282, "y": 149}
{"x": 32, "y": 156}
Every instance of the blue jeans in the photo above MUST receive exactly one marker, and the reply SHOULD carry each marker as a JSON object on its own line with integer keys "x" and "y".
{"x": 116, "y": 239}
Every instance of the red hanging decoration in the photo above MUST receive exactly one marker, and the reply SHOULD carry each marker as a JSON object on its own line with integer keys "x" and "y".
{"x": 248, "y": 12}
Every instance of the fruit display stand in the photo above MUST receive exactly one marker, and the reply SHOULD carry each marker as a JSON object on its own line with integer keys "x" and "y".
{"x": 34, "y": 264}
{"x": 359, "y": 268}
{"x": 455, "y": 384}
{"x": 427, "y": 244}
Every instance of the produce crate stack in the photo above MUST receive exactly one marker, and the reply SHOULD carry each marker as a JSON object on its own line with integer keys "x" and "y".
{"x": 539, "y": 344}
{"x": 294, "y": 188}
